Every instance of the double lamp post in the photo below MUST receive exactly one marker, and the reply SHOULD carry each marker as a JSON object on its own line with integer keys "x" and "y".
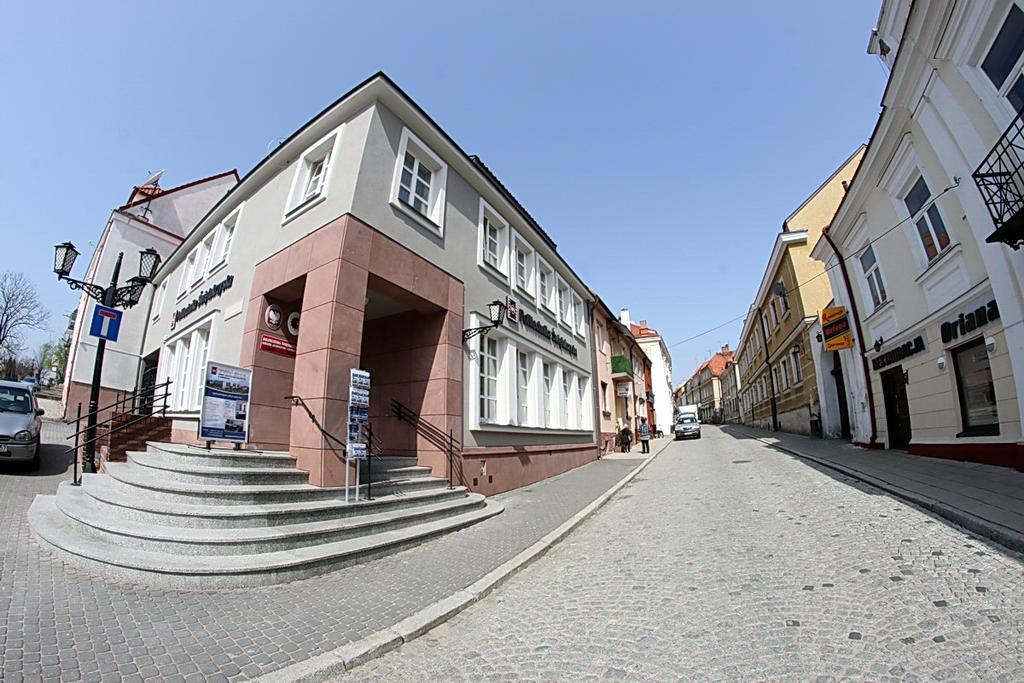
{"x": 111, "y": 296}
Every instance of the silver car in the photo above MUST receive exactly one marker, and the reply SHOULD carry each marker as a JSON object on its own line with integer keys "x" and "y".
{"x": 19, "y": 423}
{"x": 687, "y": 427}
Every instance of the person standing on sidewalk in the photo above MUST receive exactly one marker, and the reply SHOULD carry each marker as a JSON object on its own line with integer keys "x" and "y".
{"x": 643, "y": 432}
{"x": 626, "y": 437}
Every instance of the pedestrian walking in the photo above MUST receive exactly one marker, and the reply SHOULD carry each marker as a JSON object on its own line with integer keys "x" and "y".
{"x": 626, "y": 437}
{"x": 644, "y": 433}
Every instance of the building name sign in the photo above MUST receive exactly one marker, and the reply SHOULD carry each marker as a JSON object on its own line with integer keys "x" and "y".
{"x": 203, "y": 299}
{"x": 545, "y": 331}
{"x": 966, "y": 323}
{"x": 910, "y": 348}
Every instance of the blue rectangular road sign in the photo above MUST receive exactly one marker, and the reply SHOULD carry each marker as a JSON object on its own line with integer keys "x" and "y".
{"x": 106, "y": 323}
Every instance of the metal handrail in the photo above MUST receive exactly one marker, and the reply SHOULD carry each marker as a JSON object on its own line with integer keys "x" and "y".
{"x": 165, "y": 385}
{"x": 151, "y": 395}
{"x": 446, "y": 442}
{"x": 299, "y": 401}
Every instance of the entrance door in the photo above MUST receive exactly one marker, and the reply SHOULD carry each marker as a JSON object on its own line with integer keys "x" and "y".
{"x": 844, "y": 411}
{"x": 897, "y": 410}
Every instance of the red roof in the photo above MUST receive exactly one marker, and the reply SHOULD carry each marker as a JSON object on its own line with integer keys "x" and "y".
{"x": 642, "y": 330}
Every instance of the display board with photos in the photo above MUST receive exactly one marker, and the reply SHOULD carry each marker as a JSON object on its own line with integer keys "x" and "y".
{"x": 224, "y": 415}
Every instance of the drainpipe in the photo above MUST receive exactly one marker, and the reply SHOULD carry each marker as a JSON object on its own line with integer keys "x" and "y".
{"x": 768, "y": 364}
{"x": 860, "y": 337}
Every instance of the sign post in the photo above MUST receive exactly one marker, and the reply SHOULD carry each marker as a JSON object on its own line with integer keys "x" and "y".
{"x": 225, "y": 410}
{"x": 106, "y": 323}
{"x": 358, "y": 448}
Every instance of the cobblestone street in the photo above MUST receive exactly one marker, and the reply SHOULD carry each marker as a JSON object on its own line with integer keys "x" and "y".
{"x": 728, "y": 560}
{"x": 59, "y": 622}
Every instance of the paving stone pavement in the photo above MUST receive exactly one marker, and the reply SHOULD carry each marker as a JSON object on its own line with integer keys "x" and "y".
{"x": 729, "y": 560}
{"x": 58, "y": 622}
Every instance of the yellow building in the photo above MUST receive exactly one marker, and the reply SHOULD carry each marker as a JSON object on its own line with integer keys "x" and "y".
{"x": 779, "y": 387}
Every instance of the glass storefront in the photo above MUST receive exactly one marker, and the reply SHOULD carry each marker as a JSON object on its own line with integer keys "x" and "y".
{"x": 976, "y": 391}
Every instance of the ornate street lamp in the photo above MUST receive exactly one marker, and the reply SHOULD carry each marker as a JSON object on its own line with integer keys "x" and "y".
{"x": 496, "y": 312}
{"x": 126, "y": 296}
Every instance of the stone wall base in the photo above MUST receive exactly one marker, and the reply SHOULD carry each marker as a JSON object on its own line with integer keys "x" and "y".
{"x": 1008, "y": 454}
{"x": 498, "y": 469}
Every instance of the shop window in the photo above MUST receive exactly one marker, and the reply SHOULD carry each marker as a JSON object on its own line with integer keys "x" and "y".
{"x": 488, "y": 379}
{"x": 926, "y": 218}
{"x": 873, "y": 276}
{"x": 975, "y": 389}
{"x": 1004, "y": 62}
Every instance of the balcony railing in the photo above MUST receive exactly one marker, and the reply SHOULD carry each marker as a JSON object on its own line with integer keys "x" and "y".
{"x": 622, "y": 364}
{"x": 1000, "y": 178}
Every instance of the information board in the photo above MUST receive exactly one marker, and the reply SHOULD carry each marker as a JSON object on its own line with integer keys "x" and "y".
{"x": 358, "y": 413}
{"x": 225, "y": 410}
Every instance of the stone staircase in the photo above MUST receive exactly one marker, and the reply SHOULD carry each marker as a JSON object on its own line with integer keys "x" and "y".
{"x": 182, "y": 516}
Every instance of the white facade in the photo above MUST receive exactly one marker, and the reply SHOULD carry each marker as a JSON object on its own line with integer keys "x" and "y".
{"x": 159, "y": 221}
{"x": 912, "y": 232}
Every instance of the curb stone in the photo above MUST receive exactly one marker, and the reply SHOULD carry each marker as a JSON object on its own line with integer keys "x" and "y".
{"x": 993, "y": 531}
{"x": 379, "y": 643}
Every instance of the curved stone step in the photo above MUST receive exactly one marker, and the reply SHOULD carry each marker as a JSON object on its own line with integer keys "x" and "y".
{"x": 220, "y": 457}
{"x": 205, "y": 474}
{"x": 386, "y": 473}
{"x": 232, "y": 571}
{"x": 96, "y": 520}
{"x": 149, "y": 510}
{"x": 142, "y": 482}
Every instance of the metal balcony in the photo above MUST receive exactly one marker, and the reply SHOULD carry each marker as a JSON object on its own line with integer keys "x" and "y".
{"x": 1000, "y": 179}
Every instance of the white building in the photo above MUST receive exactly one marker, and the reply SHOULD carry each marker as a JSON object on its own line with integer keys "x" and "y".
{"x": 939, "y": 349}
{"x": 152, "y": 217}
{"x": 661, "y": 369}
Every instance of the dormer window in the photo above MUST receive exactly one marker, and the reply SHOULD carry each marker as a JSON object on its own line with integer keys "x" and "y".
{"x": 315, "y": 183}
{"x": 418, "y": 187}
{"x": 312, "y": 174}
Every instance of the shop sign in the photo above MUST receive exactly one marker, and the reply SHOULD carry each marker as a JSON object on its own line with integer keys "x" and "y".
{"x": 203, "y": 299}
{"x": 622, "y": 390}
{"x": 545, "y": 331}
{"x": 835, "y": 328}
{"x": 224, "y": 415}
{"x": 910, "y": 348}
{"x": 966, "y": 323}
{"x": 278, "y": 345}
{"x": 272, "y": 317}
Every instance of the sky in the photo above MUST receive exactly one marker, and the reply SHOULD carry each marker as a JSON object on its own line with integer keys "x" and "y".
{"x": 661, "y": 145}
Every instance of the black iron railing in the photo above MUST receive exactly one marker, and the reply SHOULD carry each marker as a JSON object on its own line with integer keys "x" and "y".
{"x": 151, "y": 399}
{"x": 333, "y": 442}
{"x": 1000, "y": 179}
{"x": 446, "y": 443}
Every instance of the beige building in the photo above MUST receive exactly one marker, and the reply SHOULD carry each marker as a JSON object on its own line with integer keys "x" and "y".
{"x": 775, "y": 360}
{"x": 918, "y": 247}
{"x": 619, "y": 370}
{"x": 704, "y": 388}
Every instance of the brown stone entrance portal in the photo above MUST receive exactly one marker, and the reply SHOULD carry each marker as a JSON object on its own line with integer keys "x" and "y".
{"x": 365, "y": 302}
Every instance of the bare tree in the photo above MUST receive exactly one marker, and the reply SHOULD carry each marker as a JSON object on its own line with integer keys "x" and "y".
{"x": 20, "y": 311}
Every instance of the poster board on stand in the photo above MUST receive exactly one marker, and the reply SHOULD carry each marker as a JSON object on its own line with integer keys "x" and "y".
{"x": 224, "y": 414}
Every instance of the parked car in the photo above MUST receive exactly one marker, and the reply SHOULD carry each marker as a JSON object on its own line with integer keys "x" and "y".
{"x": 687, "y": 427}
{"x": 31, "y": 381}
{"x": 20, "y": 423}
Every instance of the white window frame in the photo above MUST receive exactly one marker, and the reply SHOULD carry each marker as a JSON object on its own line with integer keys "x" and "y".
{"x": 798, "y": 368}
{"x": 873, "y": 281}
{"x": 563, "y": 302}
{"x": 1016, "y": 72}
{"x": 227, "y": 230}
{"x": 547, "y": 390}
{"x": 187, "y": 364}
{"x": 188, "y": 270}
{"x": 579, "y": 324}
{"x": 490, "y": 220}
{"x": 434, "y": 216}
{"x": 924, "y": 215}
{"x": 486, "y": 416}
{"x": 302, "y": 197}
{"x": 206, "y": 247}
{"x": 564, "y": 394}
{"x": 158, "y": 300}
{"x": 523, "y": 402}
{"x": 549, "y": 303}
{"x": 521, "y": 246}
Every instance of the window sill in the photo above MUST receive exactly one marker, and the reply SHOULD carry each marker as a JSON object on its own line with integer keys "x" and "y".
{"x": 296, "y": 211}
{"x": 497, "y": 427}
{"x": 942, "y": 257}
{"x": 878, "y": 309}
{"x": 493, "y": 271}
{"x": 525, "y": 292}
{"x": 217, "y": 267}
{"x": 425, "y": 221}
{"x": 987, "y": 430}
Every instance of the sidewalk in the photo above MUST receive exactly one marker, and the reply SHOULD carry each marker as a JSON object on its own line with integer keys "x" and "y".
{"x": 985, "y": 499}
{"x": 125, "y": 630}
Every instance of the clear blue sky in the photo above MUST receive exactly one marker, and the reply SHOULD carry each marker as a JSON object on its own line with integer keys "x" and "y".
{"x": 661, "y": 146}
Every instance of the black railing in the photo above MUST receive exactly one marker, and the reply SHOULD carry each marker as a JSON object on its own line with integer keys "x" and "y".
{"x": 1000, "y": 179}
{"x": 328, "y": 437}
{"x": 446, "y": 443}
{"x": 127, "y": 403}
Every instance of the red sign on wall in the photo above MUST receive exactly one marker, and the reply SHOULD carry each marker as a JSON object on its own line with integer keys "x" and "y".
{"x": 278, "y": 345}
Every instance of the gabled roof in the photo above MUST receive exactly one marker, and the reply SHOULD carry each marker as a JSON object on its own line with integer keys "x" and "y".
{"x": 141, "y": 195}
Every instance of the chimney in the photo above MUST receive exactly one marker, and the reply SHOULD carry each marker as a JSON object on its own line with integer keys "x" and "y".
{"x": 624, "y": 316}
{"x": 642, "y": 323}
{"x": 725, "y": 348}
